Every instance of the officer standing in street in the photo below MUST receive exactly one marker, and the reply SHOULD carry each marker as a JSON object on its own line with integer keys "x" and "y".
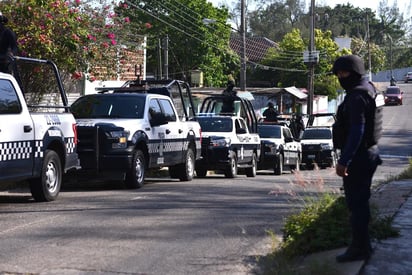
{"x": 8, "y": 45}
{"x": 356, "y": 132}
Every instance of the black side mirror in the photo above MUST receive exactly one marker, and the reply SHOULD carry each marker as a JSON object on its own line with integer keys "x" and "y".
{"x": 158, "y": 119}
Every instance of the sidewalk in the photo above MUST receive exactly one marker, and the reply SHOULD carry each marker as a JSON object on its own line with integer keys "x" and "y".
{"x": 394, "y": 256}
{"x": 391, "y": 256}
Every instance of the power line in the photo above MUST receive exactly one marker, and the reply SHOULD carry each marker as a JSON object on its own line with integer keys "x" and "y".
{"x": 199, "y": 39}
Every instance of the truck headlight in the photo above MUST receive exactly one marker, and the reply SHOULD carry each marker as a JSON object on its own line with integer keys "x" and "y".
{"x": 222, "y": 142}
{"x": 271, "y": 148}
{"x": 326, "y": 146}
{"x": 119, "y": 139}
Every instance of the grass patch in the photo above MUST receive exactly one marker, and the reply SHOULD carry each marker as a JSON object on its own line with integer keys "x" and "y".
{"x": 406, "y": 174}
{"x": 322, "y": 225}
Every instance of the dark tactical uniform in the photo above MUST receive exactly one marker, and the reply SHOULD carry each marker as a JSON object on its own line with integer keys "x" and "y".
{"x": 8, "y": 45}
{"x": 270, "y": 113}
{"x": 359, "y": 129}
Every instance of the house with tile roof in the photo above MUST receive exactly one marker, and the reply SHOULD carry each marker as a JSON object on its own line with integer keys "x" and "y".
{"x": 256, "y": 47}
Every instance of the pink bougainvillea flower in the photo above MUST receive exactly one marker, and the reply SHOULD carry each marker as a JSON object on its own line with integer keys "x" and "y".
{"x": 148, "y": 25}
{"x": 75, "y": 37}
{"x": 77, "y": 75}
{"x": 105, "y": 45}
{"x": 91, "y": 37}
{"x": 127, "y": 19}
{"x": 113, "y": 42}
{"x": 111, "y": 35}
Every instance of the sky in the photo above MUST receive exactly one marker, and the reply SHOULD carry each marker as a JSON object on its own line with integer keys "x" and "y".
{"x": 373, "y": 4}
{"x": 403, "y": 5}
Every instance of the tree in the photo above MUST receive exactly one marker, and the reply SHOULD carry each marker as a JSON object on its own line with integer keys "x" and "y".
{"x": 197, "y": 35}
{"x": 77, "y": 36}
{"x": 276, "y": 19}
{"x": 378, "y": 56}
{"x": 286, "y": 67}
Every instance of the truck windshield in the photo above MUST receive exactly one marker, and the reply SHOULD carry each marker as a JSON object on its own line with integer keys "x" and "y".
{"x": 214, "y": 124}
{"x": 269, "y": 131}
{"x": 108, "y": 106}
{"x": 317, "y": 134}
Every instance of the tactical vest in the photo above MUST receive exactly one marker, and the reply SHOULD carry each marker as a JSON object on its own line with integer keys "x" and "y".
{"x": 374, "y": 119}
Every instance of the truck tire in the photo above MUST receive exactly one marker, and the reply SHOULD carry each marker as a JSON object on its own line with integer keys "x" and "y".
{"x": 186, "y": 170}
{"x": 231, "y": 170}
{"x": 296, "y": 167}
{"x": 137, "y": 172}
{"x": 47, "y": 187}
{"x": 251, "y": 171}
{"x": 334, "y": 160}
{"x": 278, "y": 169}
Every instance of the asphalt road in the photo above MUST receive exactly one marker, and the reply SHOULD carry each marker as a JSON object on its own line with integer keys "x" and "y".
{"x": 206, "y": 226}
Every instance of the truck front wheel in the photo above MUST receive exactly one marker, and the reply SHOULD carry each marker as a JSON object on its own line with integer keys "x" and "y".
{"x": 47, "y": 187}
{"x": 136, "y": 174}
{"x": 231, "y": 169}
{"x": 187, "y": 169}
{"x": 278, "y": 167}
{"x": 251, "y": 171}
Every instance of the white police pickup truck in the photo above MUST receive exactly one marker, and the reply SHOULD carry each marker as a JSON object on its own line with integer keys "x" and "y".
{"x": 279, "y": 148}
{"x": 230, "y": 142}
{"x": 228, "y": 146}
{"x": 37, "y": 142}
{"x": 125, "y": 131}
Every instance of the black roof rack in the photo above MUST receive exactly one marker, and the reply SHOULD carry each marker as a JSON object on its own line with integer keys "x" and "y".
{"x": 209, "y": 105}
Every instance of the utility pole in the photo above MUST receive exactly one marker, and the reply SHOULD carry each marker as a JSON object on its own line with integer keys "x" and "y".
{"x": 159, "y": 59}
{"x": 311, "y": 62}
{"x": 243, "y": 47}
{"x": 166, "y": 56}
{"x": 369, "y": 47}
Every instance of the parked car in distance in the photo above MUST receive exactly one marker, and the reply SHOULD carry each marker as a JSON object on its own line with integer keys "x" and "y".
{"x": 317, "y": 147}
{"x": 407, "y": 77}
{"x": 393, "y": 95}
{"x": 279, "y": 148}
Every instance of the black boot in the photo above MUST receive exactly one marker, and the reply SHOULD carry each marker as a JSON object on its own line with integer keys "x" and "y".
{"x": 354, "y": 254}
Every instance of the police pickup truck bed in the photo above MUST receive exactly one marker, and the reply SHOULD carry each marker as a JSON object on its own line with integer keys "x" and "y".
{"x": 125, "y": 131}
{"x": 37, "y": 142}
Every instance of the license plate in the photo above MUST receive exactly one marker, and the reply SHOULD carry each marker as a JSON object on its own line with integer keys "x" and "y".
{"x": 311, "y": 156}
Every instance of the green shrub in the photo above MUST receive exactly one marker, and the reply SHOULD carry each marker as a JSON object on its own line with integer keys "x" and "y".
{"x": 324, "y": 225}
{"x": 320, "y": 226}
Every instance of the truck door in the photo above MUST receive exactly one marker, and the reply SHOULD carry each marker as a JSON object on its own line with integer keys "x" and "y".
{"x": 291, "y": 149}
{"x": 16, "y": 135}
{"x": 245, "y": 148}
{"x": 166, "y": 139}
{"x": 174, "y": 133}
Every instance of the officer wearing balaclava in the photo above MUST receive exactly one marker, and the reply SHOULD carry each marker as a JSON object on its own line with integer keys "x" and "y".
{"x": 356, "y": 133}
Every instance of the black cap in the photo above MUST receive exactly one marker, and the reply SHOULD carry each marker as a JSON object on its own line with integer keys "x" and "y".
{"x": 349, "y": 63}
{"x": 3, "y": 19}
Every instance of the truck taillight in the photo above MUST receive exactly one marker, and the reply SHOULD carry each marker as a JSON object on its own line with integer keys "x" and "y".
{"x": 74, "y": 126}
